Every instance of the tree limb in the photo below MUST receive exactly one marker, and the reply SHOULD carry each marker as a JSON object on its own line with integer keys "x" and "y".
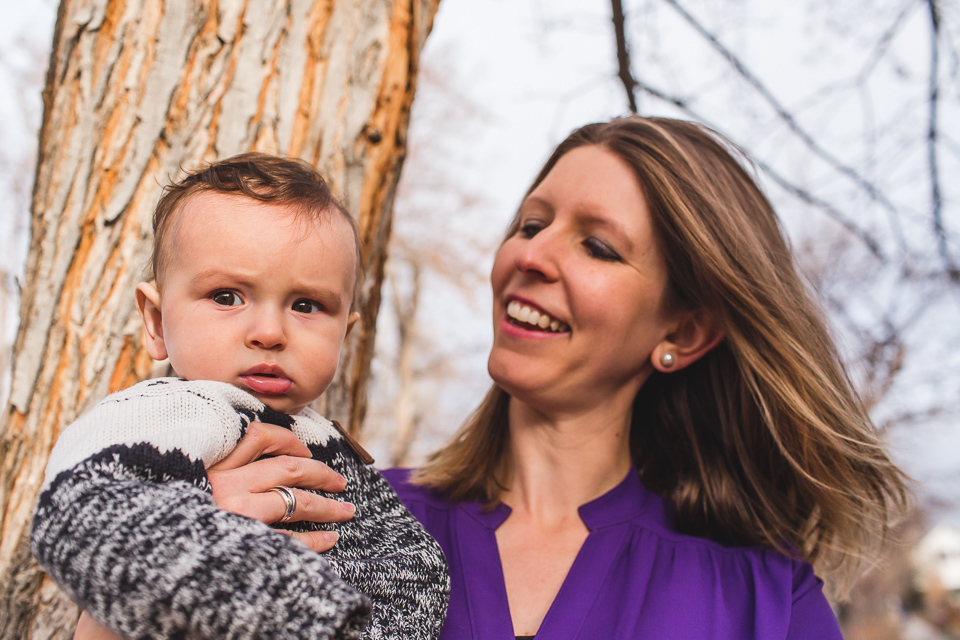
{"x": 872, "y": 190}
{"x": 797, "y": 191}
{"x": 936, "y": 196}
{"x": 623, "y": 56}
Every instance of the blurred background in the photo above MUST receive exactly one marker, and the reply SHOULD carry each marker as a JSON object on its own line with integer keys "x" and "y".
{"x": 850, "y": 111}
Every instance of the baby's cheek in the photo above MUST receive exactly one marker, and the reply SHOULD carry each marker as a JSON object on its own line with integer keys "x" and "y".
{"x": 201, "y": 357}
{"x": 323, "y": 368}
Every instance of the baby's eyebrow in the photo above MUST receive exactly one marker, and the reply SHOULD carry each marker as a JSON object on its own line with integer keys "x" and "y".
{"x": 210, "y": 273}
{"x": 213, "y": 273}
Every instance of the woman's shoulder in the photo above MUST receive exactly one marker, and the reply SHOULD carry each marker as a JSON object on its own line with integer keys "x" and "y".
{"x": 652, "y": 523}
{"x": 698, "y": 563}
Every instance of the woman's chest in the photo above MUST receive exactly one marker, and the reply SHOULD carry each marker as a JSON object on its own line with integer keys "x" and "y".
{"x": 616, "y": 586}
{"x": 535, "y": 561}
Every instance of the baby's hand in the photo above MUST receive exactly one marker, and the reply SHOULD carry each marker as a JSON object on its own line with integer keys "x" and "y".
{"x": 90, "y": 629}
{"x": 242, "y": 483}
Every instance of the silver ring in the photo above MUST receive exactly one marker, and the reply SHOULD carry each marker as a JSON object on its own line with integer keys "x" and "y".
{"x": 289, "y": 500}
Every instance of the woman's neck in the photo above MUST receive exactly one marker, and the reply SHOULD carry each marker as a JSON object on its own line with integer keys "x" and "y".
{"x": 556, "y": 464}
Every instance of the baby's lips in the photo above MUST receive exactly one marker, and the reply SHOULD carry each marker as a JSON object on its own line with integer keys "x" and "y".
{"x": 266, "y": 384}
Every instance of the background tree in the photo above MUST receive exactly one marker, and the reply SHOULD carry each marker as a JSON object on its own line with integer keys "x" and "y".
{"x": 134, "y": 92}
{"x": 437, "y": 266}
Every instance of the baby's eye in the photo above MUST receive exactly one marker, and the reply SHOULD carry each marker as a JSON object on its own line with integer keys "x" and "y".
{"x": 601, "y": 251}
{"x": 307, "y": 306}
{"x": 226, "y": 298}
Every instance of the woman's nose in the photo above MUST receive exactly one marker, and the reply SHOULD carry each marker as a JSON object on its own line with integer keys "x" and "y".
{"x": 266, "y": 330}
{"x": 539, "y": 255}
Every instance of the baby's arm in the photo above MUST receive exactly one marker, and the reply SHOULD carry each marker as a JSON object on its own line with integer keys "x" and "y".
{"x": 384, "y": 551}
{"x": 133, "y": 536}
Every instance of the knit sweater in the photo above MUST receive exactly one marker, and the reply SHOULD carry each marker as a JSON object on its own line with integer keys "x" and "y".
{"x": 126, "y": 525}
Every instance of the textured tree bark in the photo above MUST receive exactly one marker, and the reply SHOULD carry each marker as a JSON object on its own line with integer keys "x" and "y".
{"x": 134, "y": 92}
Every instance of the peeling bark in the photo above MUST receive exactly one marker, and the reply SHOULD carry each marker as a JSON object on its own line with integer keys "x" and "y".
{"x": 134, "y": 92}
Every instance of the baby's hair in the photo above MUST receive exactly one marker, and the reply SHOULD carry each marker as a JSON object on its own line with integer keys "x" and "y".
{"x": 262, "y": 177}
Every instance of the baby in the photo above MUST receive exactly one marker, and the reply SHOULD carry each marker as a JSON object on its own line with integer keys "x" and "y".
{"x": 255, "y": 269}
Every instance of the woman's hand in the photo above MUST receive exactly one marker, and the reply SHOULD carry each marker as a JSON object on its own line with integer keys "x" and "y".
{"x": 241, "y": 483}
{"x": 90, "y": 629}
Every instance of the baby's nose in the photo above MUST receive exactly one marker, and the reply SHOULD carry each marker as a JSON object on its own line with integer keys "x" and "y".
{"x": 267, "y": 331}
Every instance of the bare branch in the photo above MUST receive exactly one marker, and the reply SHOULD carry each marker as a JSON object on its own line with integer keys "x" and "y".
{"x": 883, "y": 43}
{"x": 797, "y": 191}
{"x": 623, "y": 56}
{"x": 872, "y": 190}
{"x": 936, "y": 196}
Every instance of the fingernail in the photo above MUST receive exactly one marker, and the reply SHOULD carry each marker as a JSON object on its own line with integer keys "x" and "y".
{"x": 331, "y": 536}
{"x": 349, "y": 508}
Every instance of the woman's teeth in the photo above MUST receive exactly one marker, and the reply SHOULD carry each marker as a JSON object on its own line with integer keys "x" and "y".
{"x": 523, "y": 314}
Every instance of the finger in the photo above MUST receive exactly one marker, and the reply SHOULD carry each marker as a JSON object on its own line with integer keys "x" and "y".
{"x": 318, "y": 541}
{"x": 271, "y": 507}
{"x": 263, "y": 440}
{"x": 313, "y": 508}
{"x": 287, "y": 471}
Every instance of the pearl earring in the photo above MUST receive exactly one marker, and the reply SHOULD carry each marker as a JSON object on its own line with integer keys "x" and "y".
{"x": 668, "y": 360}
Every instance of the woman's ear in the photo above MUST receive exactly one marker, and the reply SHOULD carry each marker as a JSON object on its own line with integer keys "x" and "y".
{"x": 148, "y": 303}
{"x": 697, "y": 332}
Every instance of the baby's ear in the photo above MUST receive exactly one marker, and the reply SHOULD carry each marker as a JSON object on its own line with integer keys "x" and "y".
{"x": 148, "y": 303}
{"x": 351, "y": 322}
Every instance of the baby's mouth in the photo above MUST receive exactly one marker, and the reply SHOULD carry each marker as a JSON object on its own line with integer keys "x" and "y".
{"x": 266, "y": 380}
{"x": 526, "y": 317}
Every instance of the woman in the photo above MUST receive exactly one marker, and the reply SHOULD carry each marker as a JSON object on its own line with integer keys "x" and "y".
{"x": 671, "y": 444}
{"x": 671, "y": 437}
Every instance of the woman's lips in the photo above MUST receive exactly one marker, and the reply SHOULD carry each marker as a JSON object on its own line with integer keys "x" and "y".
{"x": 268, "y": 380}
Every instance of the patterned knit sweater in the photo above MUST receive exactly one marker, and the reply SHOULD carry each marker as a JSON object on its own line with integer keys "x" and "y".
{"x": 126, "y": 525}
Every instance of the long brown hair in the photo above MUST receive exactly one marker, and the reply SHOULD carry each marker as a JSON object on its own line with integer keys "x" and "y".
{"x": 763, "y": 440}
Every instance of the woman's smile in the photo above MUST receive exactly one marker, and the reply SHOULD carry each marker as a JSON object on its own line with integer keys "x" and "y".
{"x": 530, "y": 318}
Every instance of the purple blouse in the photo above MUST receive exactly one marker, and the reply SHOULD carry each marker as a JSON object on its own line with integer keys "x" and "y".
{"x": 634, "y": 576}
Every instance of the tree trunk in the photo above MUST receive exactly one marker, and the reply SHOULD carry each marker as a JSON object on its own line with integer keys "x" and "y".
{"x": 135, "y": 91}
{"x": 405, "y": 414}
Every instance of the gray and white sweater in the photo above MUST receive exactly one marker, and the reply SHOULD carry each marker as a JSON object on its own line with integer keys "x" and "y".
{"x": 126, "y": 525}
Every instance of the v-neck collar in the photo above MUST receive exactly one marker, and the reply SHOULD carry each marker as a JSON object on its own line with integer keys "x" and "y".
{"x": 486, "y": 594}
{"x": 620, "y": 504}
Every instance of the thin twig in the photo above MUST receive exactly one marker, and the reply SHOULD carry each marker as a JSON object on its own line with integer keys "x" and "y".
{"x": 884, "y": 42}
{"x": 623, "y": 56}
{"x": 872, "y": 190}
{"x": 797, "y": 191}
{"x": 936, "y": 197}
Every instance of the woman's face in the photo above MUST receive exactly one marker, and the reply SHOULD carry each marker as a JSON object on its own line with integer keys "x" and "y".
{"x": 579, "y": 289}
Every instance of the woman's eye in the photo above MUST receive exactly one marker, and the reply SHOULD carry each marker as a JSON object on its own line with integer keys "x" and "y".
{"x": 307, "y": 306}
{"x": 226, "y": 298}
{"x": 601, "y": 251}
{"x": 530, "y": 229}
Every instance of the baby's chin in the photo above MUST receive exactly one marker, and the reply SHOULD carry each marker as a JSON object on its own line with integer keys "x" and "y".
{"x": 281, "y": 404}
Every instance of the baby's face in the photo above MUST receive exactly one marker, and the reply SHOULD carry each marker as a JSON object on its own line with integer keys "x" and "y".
{"x": 255, "y": 296}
